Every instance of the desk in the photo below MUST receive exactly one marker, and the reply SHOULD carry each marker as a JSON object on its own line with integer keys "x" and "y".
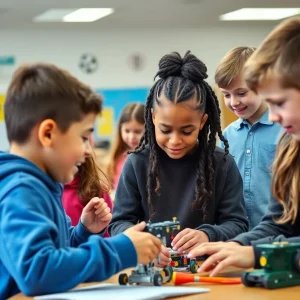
{"x": 222, "y": 292}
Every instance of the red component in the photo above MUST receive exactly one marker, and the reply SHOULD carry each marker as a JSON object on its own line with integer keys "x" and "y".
{"x": 172, "y": 263}
{"x": 172, "y": 236}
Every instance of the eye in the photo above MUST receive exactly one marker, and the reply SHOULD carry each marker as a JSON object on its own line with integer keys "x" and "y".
{"x": 187, "y": 133}
{"x": 85, "y": 139}
{"x": 165, "y": 131}
{"x": 242, "y": 94}
{"x": 227, "y": 96}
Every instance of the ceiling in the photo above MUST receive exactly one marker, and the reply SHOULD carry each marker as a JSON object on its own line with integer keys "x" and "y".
{"x": 18, "y": 14}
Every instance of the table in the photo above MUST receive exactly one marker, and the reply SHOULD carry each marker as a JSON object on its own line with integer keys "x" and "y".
{"x": 220, "y": 292}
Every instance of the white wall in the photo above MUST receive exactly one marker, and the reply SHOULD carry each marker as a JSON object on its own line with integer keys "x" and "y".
{"x": 113, "y": 48}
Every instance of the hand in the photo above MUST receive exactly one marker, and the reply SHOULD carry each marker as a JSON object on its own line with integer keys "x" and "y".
{"x": 188, "y": 239}
{"x": 223, "y": 255}
{"x": 147, "y": 246}
{"x": 96, "y": 215}
{"x": 164, "y": 257}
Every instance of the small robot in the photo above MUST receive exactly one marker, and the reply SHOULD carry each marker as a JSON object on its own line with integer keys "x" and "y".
{"x": 280, "y": 264}
{"x": 147, "y": 274}
{"x": 165, "y": 231}
{"x": 180, "y": 262}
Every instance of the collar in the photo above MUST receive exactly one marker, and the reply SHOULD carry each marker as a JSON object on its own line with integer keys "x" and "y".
{"x": 240, "y": 123}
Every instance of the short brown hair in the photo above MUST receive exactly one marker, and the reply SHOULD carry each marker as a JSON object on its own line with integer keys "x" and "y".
{"x": 231, "y": 65}
{"x": 278, "y": 57}
{"x": 43, "y": 91}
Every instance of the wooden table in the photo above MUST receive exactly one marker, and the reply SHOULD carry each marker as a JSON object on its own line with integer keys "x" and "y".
{"x": 222, "y": 292}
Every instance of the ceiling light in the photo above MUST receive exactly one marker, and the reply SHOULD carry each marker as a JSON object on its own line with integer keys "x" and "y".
{"x": 245, "y": 14}
{"x": 87, "y": 14}
{"x": 52, "y": 15}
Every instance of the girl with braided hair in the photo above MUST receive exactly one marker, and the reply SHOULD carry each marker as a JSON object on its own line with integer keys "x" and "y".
{"x": 177, "y": 170}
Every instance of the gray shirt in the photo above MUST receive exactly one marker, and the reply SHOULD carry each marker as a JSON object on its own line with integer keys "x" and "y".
{"x": 225, "y": 217}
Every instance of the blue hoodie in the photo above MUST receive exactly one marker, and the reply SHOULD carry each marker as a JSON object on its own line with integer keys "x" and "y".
{"x": 40, "y": 252}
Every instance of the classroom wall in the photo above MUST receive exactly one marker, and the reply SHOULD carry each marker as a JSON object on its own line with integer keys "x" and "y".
{"x": 113, "y": 49}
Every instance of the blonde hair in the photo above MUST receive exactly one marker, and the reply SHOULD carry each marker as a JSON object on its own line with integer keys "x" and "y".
{"x": 278, "y": 57}
{"x": 132, "y": 111}
{"x": 231, "y": 65}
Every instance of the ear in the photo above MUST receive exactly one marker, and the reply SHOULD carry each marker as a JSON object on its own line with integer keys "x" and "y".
{"x": 203, "y": 120}
{"x": 47, "y": 132}
{"x": 153, "y": 115}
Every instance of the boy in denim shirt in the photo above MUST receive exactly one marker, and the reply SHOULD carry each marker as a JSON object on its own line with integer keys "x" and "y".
{"x": 252, "y": 138}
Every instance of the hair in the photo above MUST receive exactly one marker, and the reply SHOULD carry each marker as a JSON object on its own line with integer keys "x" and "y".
{"x": 182, "y": 78}
{"x": 278, "y": 57}
{"x": 231, "y": 65}
{"x": 92, "y": 181}
{"x": 132, "y": 111}
{"x": 43, "y": 91}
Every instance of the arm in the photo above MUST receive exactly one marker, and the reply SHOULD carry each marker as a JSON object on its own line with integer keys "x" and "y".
{"x": 36, "y": 251}
{"x": 127, "y": 210}
{"x": 267, "y": 229}
{"x": 230, "y": 214}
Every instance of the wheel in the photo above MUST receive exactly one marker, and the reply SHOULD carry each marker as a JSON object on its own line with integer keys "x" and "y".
{"x": 297, "y": 261}
{"x": 168, "y": 273}
{"x": 123, "y": 279}
{"x": 246, "y": 281}
{"x": 193, "y": 266}
{"x": 157, "y": 279}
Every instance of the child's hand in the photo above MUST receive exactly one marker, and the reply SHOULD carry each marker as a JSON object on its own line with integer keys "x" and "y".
{"x": 147, "y": 246}
{"x": 188, "y": 239}
{"x": 223, "y": 255}
{"x": 96, "y": 215}
{"x": 164, "y": 257}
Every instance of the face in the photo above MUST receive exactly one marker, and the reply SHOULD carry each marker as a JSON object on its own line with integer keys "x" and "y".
{"x": 284, "y": 105}
{"x": 177, "y": 126}
{"x": 243, "y": 102}
{"x": 67, "y": 151}
{"x": 131, "y": 133}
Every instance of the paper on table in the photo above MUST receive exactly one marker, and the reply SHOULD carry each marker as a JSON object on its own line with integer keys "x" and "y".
{"x": 133, "y": 292}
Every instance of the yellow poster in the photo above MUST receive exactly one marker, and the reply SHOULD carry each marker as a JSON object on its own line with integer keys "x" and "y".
{"x": 105, "y": 122}
{"x": 2, "y": 108}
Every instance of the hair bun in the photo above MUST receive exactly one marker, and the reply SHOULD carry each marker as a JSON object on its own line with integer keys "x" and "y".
{"x": 189, "y": 67}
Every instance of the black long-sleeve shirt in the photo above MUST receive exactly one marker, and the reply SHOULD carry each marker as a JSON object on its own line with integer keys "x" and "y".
{"x": 225, "y": 216}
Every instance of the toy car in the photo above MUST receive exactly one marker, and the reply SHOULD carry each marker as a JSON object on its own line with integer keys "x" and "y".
{"x": 147, "y": 274}
{"x": 165, "y": 231}
{"x": 280, "y": 264}
{"x": 180, "y": 262}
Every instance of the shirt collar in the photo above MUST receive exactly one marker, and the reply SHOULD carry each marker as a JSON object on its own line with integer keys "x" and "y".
{"x": 240, "y": 123}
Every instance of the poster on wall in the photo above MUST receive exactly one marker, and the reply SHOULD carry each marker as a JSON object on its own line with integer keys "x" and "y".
{"x": 114, "y": 102}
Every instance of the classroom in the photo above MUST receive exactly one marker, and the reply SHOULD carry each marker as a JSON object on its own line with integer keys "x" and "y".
{"x": 149, "y": 149}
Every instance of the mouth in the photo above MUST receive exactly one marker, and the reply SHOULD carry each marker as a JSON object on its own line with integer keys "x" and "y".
{"x": 288, "y": 129}
{"x": 175, "y": 151}
{"x": 240, "y": 110}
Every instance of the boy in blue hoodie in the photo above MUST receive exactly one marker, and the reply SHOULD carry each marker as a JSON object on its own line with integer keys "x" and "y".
{"x": 49, "y": 116}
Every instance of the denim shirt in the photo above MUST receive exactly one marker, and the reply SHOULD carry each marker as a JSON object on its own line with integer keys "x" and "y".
{"x": 253, "y": 148}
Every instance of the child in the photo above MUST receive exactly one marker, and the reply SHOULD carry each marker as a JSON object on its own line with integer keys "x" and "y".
{"x": 177, "y": 171}
{"x": 49, "y": 116}
{"x": 273, "y": 72}
{"x": 86, "y": 185}
{"x": 252, "y": 138}
{"x": 130, "y": 131}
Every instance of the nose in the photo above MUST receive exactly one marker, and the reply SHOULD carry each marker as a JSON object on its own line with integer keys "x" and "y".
{"x": 175, "y": 139}
{"x": 88, "y": 149}
{"x": 234, "y": 102}
{"x": 273, "y": 117}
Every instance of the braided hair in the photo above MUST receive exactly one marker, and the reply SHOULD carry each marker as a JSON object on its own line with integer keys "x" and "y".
{"x": 179, "y": 79}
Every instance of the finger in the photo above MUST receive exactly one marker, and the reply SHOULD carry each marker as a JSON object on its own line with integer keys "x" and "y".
{"x": 179, "y": 236}
{"x": 213, "y": 260}
{"x": 100, "y": 204}
{"x": 221, "y": 266}
{"x": 102, "y": 213}
{"x": 165, "y": 251}
{"x": 204, "y": 249}
{"x": 183, "y": 240}
{"x": 106, "y": 218}
{"x": 139, "y": 227}
{"x": 188, "y": 245}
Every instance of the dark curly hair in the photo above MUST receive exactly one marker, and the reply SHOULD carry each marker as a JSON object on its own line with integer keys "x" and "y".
{"x": 180, "y": 79}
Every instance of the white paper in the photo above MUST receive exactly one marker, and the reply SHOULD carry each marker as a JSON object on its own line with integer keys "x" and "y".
{"x": 115, "y": 292}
